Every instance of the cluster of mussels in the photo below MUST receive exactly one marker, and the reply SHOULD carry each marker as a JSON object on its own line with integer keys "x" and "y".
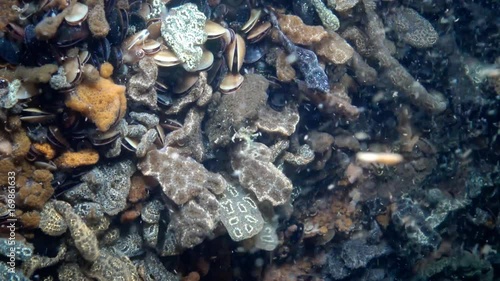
{"x": 139, "y": 131}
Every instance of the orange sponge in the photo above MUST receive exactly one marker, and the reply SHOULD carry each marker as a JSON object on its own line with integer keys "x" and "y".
{"x": 103, "y": 102}
{"x": 76, "y": 159}
{"x": 106, "y": 70}
{"x": 46, "y": 149}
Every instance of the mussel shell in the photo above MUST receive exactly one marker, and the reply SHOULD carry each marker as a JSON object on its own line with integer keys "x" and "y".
{"x": 254, "y": 53}
{"x": 277, "y": 99}
{"x": 237, "y": 17}
{"x": 135, "y": 39}
{"x": 35, "y": 115}
{"x": 151, "y": 46}
{"x": 10, "y": 51}
{"x": 216, "y": 46}
{"x": 214, "y": 30}
{"x": 69, "y": 35}
{"x": 33, "y": 154}
{"x": 130, "y": 144}
{"x": 104, "y": 138}
{"x": 72, "y": 68}
{"x": 231, "y": 83}
{"x": 84, "y": 56}
{"x": 171, "y": 125}
{"x": 118, "y": 23}
{"x": 160, "y": 140}
{"x": 116, "y": 57}
{"x": 15, "y": 32}
{"x": 4, "y": 84}
{"x": 161, "y": 87}
{"x": 254, "y": 18}
{"x": 259, "y": 32}
{"x": 164, "y": 99}
{"x": 186, "y": 83}
{"x": 154, "y": 28}
{"x": 27, "y": 91}
{"x": 166, "y": 58}
{"x": 36, "y": 52}
{"x": 217, "y": 72}
{"x": 101, "y": 51}
{"x": 56, "y": 138}
{"x": 45, "y": 165}
{"x": 138, "y": 21}
{"x": 77, "y": 14}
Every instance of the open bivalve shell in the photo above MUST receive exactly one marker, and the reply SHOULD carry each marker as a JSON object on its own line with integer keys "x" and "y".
{"x": 166, "y": 58}
{"x": 214, "y": 30}
{"x": 151, "y": 46}
{"x": 254, "y": 18}
{"x": 231, "y": 83}
{"x": 187, "y": 83}
{"x": 259, "y": 32}
{"x": 135, "y": 38}
{"x": 235, "y": 53}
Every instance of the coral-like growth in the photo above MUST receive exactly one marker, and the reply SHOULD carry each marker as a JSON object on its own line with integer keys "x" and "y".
{"x": 184, "y": 31}
{"x": 412, "y": 28}
{"x": 72, "y": 159}
{"x": 140, "y": 87}
{"x": 84, "y": 239}
{"x": 181, "y": 177}
{"x": 188, "y": 139}
{"x": 138, "y": 189}
{"x": 38, "y": 262}
{"x": 71, "y": 271}
{"x": 329, "y": 19}
{"x": 21, "y": 143}
{"x": 334, "y": 49}
{"x": 343, "y": 5}
{"x": 281, "y": 122}
{"x": 397, "y": 76}
{"x": 47, "y": 28}
{"x": 111, "y": 185}
{"x": 284, "y": 70}
{"x": 236, "y": 110}
{"x": 195, "y": 220}
{"x": 306, "y": 60}
{"x": 98, "y": 24}
{"x": 23, "y": 250}
{"x": 40, "y": 74}
{"x": 102, "y": 102}
{"x": 36, "y": 190}
{"x": 51, "y": 222}
{"x": 93, "y": 216}
{"x": 336, "y": 101}
{"x": 113, "y": 264}
{"x": 300, "y": 33}
{"x": 30, "y": 220}
{"x": 257, "y": 173}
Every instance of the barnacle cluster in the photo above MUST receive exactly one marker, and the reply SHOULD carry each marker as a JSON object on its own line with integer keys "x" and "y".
{"x": 219, "y": 131}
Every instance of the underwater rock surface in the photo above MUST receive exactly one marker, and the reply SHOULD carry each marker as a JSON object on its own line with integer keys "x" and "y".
{"x": 250, "y": 140}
